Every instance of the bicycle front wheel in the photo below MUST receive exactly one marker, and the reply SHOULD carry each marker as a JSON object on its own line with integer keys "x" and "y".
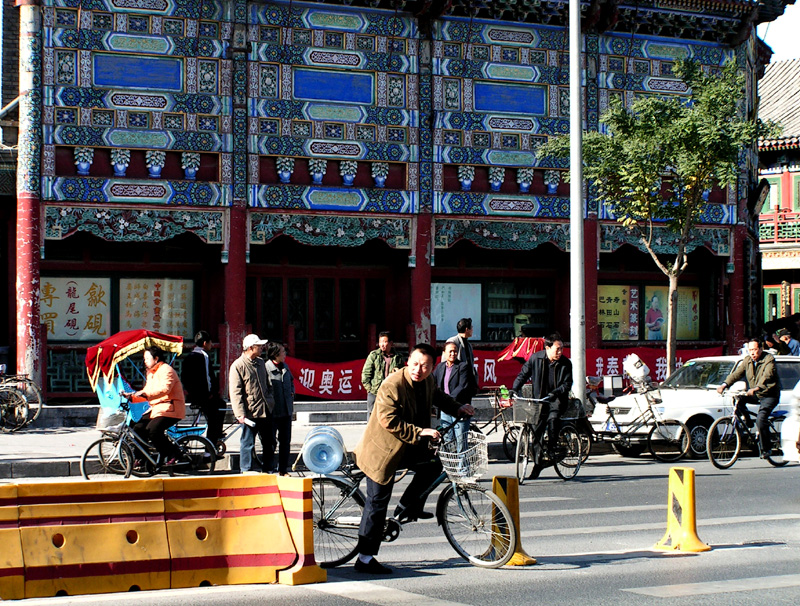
{"x": 569, "y": 454}
{"x": 775, "y": 459}
{"x": 510, "y": 438}
{"x": 724, "y": 442}
{"x": 668, "y": 440}
{"x": 477, "y": 525}
{"x": 200, "y": 454}
{"x": 14, "y": 410}
{"x": 524, "y": 458}
{"x": 337, "y": 510}
{"x": 106, "y": 458}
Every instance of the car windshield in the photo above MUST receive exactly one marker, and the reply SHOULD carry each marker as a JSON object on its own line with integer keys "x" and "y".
{"x": 699, "y": 374}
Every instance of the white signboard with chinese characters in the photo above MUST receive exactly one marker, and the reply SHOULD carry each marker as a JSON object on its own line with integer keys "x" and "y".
{"x": 163, "y": 305}
{"x": 75, "y": 309}
{"x": 450, "y": 303}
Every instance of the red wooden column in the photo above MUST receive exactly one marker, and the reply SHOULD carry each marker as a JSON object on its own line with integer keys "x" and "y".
{"x": 736, "y": 284}
{"x": 421, "y": 278}
{"x": 591, "y": 260}
{"x": 28, "y": 255}
{"x": 235, "y": 274}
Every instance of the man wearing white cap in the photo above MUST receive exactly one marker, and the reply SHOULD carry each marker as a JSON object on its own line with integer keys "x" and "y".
{"x": 252, "y": 402}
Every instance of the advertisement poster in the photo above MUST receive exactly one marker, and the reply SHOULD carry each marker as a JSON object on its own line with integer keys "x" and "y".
{"x": 655, "y": 310}
{"x": 618, "y": 312}
{"x": 75, "y": 309}
{"x": 451, "y": 302}
{"x": 163, "y": 305}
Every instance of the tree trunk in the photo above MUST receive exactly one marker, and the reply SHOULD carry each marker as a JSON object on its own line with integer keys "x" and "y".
{"x": 672, "y": 322}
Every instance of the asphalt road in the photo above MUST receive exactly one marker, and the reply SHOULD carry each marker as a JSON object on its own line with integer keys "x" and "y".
{"x": 593, "y": 538}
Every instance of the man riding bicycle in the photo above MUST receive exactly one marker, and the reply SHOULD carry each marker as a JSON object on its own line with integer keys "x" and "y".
{"x": 550, "y": 373}
{"x": 758, "y": 367}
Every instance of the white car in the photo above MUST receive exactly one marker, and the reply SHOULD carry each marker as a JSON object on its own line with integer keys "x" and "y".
{"x": 690, "y": 395}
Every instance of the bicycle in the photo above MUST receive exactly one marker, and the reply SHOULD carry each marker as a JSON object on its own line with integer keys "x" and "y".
{"x": 13, "y": 410}
{"x": 668, "y": 439}
{"x": 121, "y": 451}
{"x": 726, "y": 435}
{"x": 501, "y": 407}
{"x": 533, "y": 455}
{"x": 476, "y": 523}
{"x": 30, "y": 391}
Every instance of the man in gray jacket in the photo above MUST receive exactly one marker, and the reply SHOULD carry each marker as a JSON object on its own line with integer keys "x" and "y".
{"x": 252, "y": 403}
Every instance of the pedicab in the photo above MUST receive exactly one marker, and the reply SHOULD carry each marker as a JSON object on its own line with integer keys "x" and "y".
{"x": 117, "y": 413}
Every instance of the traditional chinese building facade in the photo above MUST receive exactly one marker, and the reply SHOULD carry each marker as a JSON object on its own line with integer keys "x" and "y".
{"x": 779, "y": 229}
{"x": 314, "y": 172}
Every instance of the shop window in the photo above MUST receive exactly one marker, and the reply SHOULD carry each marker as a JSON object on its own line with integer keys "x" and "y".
{"x": 324, "y": 306}
{"x": 349, "y": 309}
{"x": 271, "y": 313}
{"x": 510, "y": 306}
{"x": 375, "y": 312}
{"x": 297, "y": 291}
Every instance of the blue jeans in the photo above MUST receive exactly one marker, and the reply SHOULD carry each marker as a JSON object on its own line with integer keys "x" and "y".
{"x": 263, "y": 428}
{"x": 460, "y": 430}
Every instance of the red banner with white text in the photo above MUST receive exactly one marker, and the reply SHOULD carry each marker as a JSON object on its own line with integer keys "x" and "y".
{"x": 342, "y": 380}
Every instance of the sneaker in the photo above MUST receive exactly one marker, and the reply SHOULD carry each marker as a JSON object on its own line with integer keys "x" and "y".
{"x": 371, "y": 567}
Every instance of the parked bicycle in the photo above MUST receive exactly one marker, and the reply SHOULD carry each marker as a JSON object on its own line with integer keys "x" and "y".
{"x": 533, "y": 454}
{"x": 121, "y": 451}
{"x": 14, "y": 413}
{"x": 502, "y": 418}
{"x": 728, "y": 434}
{"x": 474, "y": 520}
{"x": 667, "y": 439}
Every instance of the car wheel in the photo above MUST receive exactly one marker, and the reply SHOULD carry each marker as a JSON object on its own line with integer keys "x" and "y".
{"x": 698, "y": 435}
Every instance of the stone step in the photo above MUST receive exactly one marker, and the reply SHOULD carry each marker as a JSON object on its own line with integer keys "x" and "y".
{"x": 331, "y": 417}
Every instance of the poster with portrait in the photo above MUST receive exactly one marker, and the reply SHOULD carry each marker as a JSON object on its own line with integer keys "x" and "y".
{"x": 164, "y": 305}
{"x": 618, "y": 312}
{"x": 655, "y": 313}
{"x": 75, "y": 309}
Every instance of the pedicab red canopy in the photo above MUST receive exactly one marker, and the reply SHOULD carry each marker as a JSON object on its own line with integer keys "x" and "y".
{"x": 521, "y": 348}
{"x": 104, "y": 357}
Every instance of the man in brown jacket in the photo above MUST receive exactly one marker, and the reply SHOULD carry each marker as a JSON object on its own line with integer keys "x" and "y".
{"x": 764, "y": 387}
{"x": 397, "y": 435}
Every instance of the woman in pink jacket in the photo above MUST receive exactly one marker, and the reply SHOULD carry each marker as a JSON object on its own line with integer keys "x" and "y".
{"x": 164, "y": 391}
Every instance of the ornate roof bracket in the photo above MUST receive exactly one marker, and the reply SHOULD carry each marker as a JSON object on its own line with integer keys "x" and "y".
{"x": 716, "y": 239}
{"x": 502, "y": 235}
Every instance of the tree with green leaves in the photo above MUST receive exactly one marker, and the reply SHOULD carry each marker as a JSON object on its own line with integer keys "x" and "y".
{"x": 659, "y": 156}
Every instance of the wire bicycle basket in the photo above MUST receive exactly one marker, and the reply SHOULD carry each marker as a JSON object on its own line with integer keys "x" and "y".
{"x": 466, "y": 465}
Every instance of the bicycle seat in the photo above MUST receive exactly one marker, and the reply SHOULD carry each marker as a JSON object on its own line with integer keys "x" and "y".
{"x": 777, "y": 414}
{"x": 605, "y": 399}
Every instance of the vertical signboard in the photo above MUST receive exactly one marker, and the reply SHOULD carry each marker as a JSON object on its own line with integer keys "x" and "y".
{"x": 163, "y": 305}
{"x": 75, "y": 309}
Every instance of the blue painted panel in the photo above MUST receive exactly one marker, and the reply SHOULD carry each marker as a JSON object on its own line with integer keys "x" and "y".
{"x": 327, "y": 85}
{"x": 131, "y": 71}
{"x": 510, "y": 98}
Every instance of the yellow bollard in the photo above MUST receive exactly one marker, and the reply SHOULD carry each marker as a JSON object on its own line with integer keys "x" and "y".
{"x": 507, "y": 488}
{"x": 681, "y": 518}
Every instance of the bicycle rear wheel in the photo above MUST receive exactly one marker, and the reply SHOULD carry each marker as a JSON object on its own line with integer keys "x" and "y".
{"x": 105, "y": 459}
{"x": 775, "y": 459}
{"x": 668, "y": 440}
{"x": 570, "y": 454}
{"x": 510, "y": 438}
{"x": 724, "y": 443}
{"x": 477, "y": 525}
{"x": 200, "y": 454}
{"x": 14, "y": 410}
{"x": 337, "y": 510}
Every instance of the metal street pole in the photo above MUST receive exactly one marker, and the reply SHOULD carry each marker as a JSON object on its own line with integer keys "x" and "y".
{"x": 577, "y": 290}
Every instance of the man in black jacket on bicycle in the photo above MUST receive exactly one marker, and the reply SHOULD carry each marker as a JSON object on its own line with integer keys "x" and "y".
{"x": 550, "y": 373}
{"x": 764, "y": 388}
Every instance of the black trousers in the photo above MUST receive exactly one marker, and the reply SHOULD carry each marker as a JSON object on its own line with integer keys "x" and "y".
{"x": 373, "y": 520}
{"x": 282, "y": 436}
{"x": 152, "y": 430}
{"x": 213, "y": 410}
{"x": 765, "y": 407}
{"x": 551, "y": 414}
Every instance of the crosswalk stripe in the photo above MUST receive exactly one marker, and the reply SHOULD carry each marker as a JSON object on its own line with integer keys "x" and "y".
{"x": 712, "y": 587}
{"x": 374, "y": 593}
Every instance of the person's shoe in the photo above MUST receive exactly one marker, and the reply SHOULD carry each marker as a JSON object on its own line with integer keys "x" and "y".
{"x": 404, "y": 515}
{"x": 371, "y": 567}
{"x": 766, "y": 453}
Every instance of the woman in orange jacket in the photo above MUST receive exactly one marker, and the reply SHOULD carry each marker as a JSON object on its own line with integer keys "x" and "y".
{"x": 164, "y": 391}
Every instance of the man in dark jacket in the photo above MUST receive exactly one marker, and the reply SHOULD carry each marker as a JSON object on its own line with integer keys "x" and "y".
{"x": 758, "y": 367}
{"x": 452, "y": 378}
{"x": 202, "y": 385}
{"x": 550, "y": 373}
